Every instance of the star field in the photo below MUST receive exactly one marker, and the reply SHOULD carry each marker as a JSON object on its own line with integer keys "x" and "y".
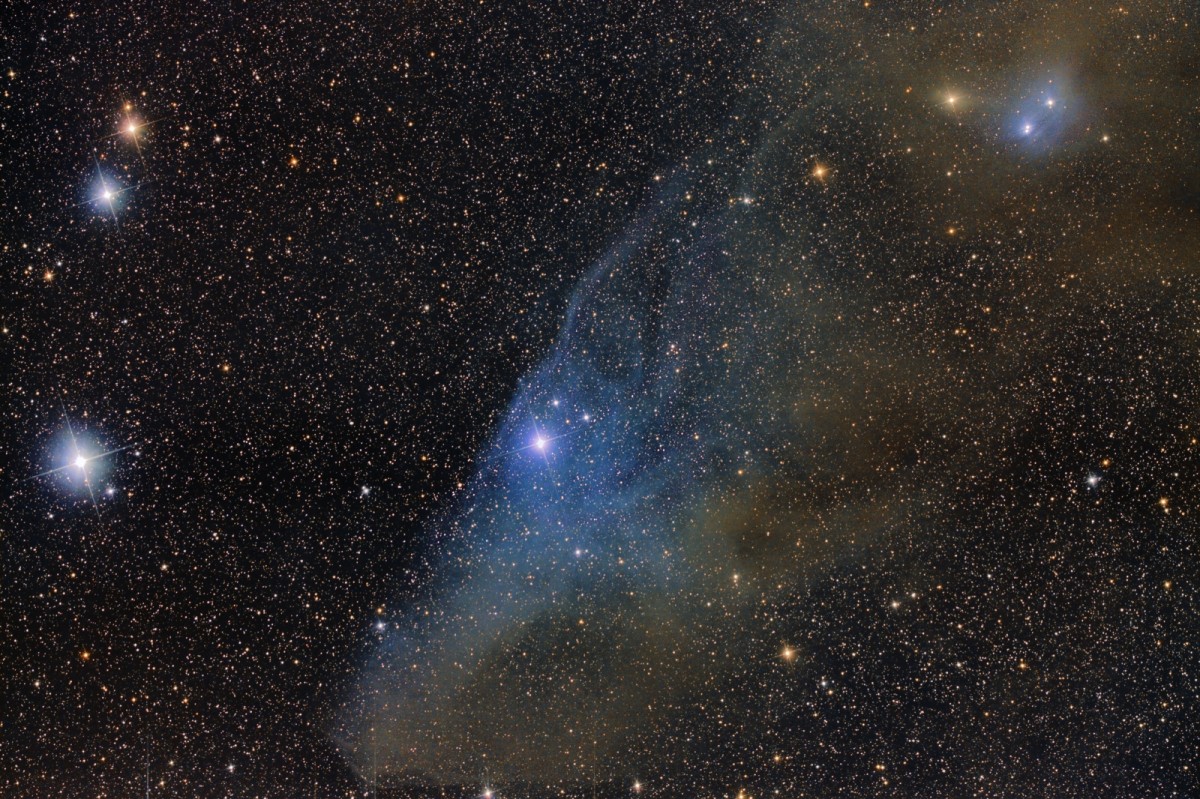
{"x": 746, "y": 400}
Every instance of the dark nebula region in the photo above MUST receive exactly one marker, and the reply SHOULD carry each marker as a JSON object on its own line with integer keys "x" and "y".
{"x": 733, "y": 400}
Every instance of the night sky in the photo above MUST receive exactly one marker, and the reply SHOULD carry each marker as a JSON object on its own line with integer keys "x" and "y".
{"x": 724, "y": 400}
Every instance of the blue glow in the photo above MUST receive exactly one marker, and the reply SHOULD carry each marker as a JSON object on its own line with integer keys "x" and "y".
{"x": 580, "y": 498}
{"x": 1044, "y": 118}
{"x": 106, "y": 195}
{"x": 79, "y": 464}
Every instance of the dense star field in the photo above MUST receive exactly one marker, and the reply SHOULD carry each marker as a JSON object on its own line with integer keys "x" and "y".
{"x": 744, "y": 399}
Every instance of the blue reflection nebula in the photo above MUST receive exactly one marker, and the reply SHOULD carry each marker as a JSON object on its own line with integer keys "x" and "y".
{"x": 1044, "y": 117}
{"x": 580, "y": 530}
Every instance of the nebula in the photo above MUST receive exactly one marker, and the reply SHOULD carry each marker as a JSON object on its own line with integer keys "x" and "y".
{"x": 827, "y": 357}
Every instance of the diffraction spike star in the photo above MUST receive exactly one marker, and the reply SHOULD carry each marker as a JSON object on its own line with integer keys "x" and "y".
{"x": 79, "y": 460}
{"x": 110, "y": 191}
{"x": 542, "y": 441}
{"x": 133, "y": 128}
{"x": 107, "y": 193}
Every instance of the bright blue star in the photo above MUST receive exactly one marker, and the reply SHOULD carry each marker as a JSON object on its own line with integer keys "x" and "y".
{"x": 1043, "y": 118}
{"x": 81, "y": 462}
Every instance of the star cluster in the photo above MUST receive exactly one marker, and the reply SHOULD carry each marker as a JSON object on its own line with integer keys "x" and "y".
{"x": 752, "y": 400}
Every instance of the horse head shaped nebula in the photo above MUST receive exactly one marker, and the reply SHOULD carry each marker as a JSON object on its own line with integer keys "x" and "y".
{"x": 791, "y": 362}
{"x": 562, "y": 576}
{"x": 652, "y": 481}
